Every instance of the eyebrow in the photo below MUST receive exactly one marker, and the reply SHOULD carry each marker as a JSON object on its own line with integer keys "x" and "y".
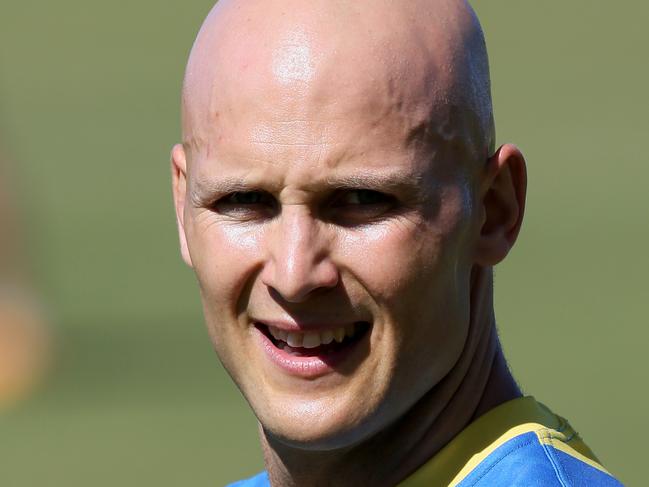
{"x": 380, "y": 182}
{"x": 206, "y": 190}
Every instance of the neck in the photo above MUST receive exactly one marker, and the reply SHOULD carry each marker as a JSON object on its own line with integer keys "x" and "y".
{"x": 479, "y": 381}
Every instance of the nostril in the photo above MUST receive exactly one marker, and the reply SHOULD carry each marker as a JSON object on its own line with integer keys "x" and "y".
{"x": 294, "y": 278}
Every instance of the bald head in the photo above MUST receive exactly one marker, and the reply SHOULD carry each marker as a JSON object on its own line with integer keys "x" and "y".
{"x": 336, "y": 168}
{"x": 418, "y": 64}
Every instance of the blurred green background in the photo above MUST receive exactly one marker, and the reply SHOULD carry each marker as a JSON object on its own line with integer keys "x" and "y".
{"x": 89, "y": 108}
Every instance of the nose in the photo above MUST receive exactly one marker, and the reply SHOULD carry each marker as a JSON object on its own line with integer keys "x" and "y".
{"x": 299, "y": 262}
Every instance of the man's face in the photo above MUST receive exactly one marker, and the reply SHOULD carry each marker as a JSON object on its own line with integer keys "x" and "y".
{"x": 333, "y": 248}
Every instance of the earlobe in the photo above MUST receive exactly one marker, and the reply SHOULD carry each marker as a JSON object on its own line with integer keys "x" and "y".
{"x": 179, "y": 188}
{"x": 502, "y": 200}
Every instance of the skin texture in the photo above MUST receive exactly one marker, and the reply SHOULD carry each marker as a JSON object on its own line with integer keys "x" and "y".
{"x": 337, "y": 166}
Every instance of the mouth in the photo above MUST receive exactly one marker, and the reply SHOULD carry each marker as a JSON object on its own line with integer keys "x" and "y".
{"x": 312, "y": 352}
{"x": 314, "y": 342}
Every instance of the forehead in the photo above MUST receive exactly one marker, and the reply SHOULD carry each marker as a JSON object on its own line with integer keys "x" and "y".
{"x": 291, "y": 96}
{"x": 309, "y": 136}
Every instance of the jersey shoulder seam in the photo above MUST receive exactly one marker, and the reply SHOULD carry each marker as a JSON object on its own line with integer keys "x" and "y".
{"x": 491, "y": 467}
{"x": 548, "y": 449}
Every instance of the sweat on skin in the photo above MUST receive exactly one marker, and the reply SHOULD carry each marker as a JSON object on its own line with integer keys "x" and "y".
{"x": 338, "y": 171}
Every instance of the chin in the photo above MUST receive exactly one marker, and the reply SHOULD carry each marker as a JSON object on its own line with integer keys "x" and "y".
{"x": 317, "y": 425}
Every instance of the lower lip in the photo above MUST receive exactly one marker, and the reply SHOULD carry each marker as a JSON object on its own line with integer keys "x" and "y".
{"x": 307, "y": 367}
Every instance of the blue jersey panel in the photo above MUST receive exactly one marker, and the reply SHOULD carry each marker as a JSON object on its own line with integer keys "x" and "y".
{"x": 525, "y": 462}
{"x": 259, "y": 480}
{"x": 521, "y": 462}
{"x": 576, "y": 473}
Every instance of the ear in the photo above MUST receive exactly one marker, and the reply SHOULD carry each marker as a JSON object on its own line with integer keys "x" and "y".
{"x": 179, "y": 188}
{"x": 502, "y": 199}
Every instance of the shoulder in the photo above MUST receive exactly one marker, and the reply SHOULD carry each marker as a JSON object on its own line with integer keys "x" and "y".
{"x": 259, "y": 480}
{"x": 541, "y": 457}
{"x": 520, "y": 443}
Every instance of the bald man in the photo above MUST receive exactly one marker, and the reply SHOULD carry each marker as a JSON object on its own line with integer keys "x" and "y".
{"x": 342, "y": 203}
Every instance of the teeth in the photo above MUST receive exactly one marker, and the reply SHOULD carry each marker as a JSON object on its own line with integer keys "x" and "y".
{"x": 349, "y": 330}
{"x": 276, "y": 332}
{"x": 312, "y": 339}
{"x": 339, "y": 334}
{"x": 326, "y": 337}
{"x": 294, "y": 339}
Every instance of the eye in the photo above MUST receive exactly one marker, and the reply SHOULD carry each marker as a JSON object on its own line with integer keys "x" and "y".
{"x": 363, "y": 197}
{"x": 248, "y": 198}
{"x": 356, "y": 206}
{"x": 246, "y": 204}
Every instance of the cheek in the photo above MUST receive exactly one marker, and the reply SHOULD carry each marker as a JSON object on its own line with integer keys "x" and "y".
{"x": 384, "y": 257}
{"x": 400, "y": 263}
{"x": 224, "y": 258}
{"x": 418, "y": 277}
{"x": 409, "y": 256}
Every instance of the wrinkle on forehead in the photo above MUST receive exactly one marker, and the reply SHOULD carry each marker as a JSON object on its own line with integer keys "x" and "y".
{"x": 420, "y": 65}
